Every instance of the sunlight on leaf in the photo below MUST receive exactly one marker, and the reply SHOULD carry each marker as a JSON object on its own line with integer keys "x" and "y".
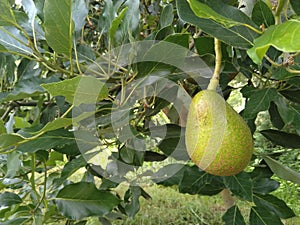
{"x": 284, "y": 37}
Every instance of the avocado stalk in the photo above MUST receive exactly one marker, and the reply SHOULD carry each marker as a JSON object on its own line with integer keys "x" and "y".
{"x": 214, "y": 81}
{"x": 227, "y": 198}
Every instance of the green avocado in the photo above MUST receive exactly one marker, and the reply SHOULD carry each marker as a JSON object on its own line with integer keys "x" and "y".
{"x": 218, "y": 140}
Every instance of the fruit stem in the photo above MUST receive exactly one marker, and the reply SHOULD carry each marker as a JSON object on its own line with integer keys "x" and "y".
{"x": 214, "y": 81}
{"x": 228, "y": 200}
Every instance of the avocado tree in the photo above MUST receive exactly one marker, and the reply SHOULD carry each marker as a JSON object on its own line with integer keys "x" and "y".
{"x": 94, "y": 91}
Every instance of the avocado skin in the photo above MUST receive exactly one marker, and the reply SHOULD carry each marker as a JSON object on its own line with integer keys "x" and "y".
{"x": 218, "y": 140}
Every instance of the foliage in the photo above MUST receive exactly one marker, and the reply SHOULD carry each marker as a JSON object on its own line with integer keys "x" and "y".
{"x": 103, "y": 87}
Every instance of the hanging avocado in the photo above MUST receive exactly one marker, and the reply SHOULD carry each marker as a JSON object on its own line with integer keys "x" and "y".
{"x": 218, "y": 139}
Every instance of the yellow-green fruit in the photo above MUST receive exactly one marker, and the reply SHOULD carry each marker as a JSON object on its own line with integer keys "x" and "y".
{"x": 218, "y": 140}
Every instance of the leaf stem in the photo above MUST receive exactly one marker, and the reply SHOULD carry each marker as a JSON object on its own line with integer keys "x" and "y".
{"x": 44, "y": 187}
{"x": 32, "y": 178}
{"x": 214, "y": 81}
{"x": 280, "y": 6}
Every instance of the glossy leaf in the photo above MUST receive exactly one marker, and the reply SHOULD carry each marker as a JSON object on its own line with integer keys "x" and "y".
{"x": 30, "y": 9}
{"x": 12, "y": 40}
{"x": 79, "y": 13}
{"x": 275, "y": 117}
{"x": 173, "y": 142}
{"x": 169, "y": 175}
{"x": 240, "y": 37}
{"x": 132, "y": 203}
{"x": 167, "y": 16}
{"x": 70, "y": 168}
{"x": 290, "y": 113}
{"x": 284, "y": 37}
{"x": 282, "y": 138}
{"x": 165, "y": 55}
{"x": 59, "y": 25}
{"x": 262, "y": 182}
{"x": 292, "y": 95}
{"x": 204, "y": 11}
{"x": 13, "y": 164}
{"x": 9, "y": 140}
{"x": 85, "y": 89}
{"x": 116, "y": 23}
{"x": 282, "y": 171}
{"x": 261, "y": 216}
{"x": 80, "y": 200}
{"x": 61, "y": 140}
{"x": 262, "y": 14}
{"x": 25, "y": 88}
{"x": 233, "y": 216}
{"x": 259, "y": 100}
{"x": 196, "y": 181}
{"x": 9, "y": 199}
{"x": 7, "y": 17}
{"x": 272, "y": 203}
{"x": 47, "y": 141}
{"x": 240, "y": 185}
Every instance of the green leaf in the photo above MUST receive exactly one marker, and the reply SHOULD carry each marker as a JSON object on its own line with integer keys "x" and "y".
{"x": 259, "y": 100}
{"x": 30, "y": 9}
{"x": 282, "y": 171}
{"x": 167, "y": 16}
{"x": 9, "y": 140}
{"x": 70, "y": 168}
{"x": 262, "y": 182}
{"x": 233, "y": 216}
{"x": 204, "y": 11}
{"x": 296, "y": 6}
{"x": 264, "y": 185}
{"x": 238, "y": 36}
{"x": 21, "y": 122}
{"x": 291, "y": 94}
{"x": 262, "y": 14}
{"x": 61, "y": 140}
{"x": 79, "y": 13}
{"x": 25, "y": 88}
{"x": 196, "y": 181}
{"x": 78, "y": 90}
{"x": 132, "y": 205}
{"x": 169, "y": 175}
{"x": 56, "y": 124}
{"x": 240, "y": 185}
{"x": 281, "y": 73}
{"x": 275, "y": 117}
{"x": 12, "y": 40}
{"x": 59, "y": 25}
{"x": 7, "y": 17}
{"x": 48, "y": 141}
{"x": 9, "y": 199}
{"x": 2, "y": 127}
{"x": 80, "y": 200}
{"x": 205, "y": 45}
{"x": 165, "y": 55}
{"x": 13, "y": 164}
{"x": 290, "y": 113}
{"x": 284, "y": 37}
{"x": 173, "y": 142}
{"x": 281, "y": 138}
{"x": 116, "y": 23}
{"x": 261, "y": 216}
{"x": 272, "y": 203}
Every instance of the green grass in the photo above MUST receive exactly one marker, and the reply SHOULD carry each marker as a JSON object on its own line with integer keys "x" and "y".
{"x": 169, "y": 207}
